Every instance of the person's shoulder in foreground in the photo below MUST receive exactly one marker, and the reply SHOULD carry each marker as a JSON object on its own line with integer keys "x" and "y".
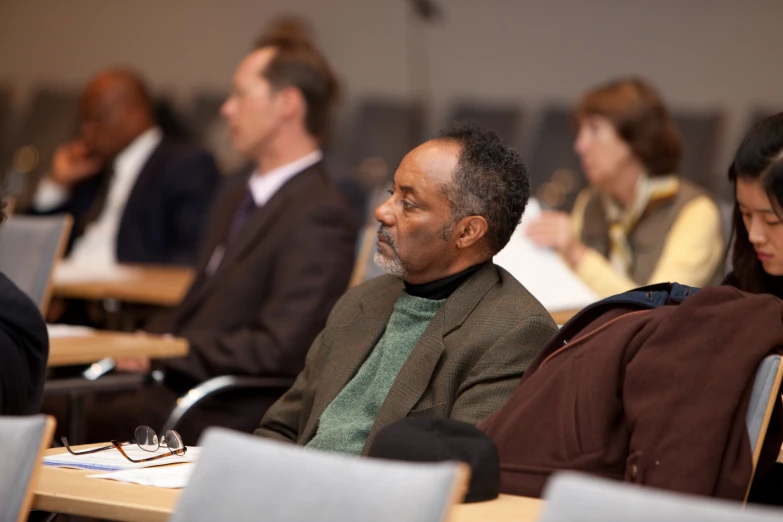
{"x": 24, "y": 351}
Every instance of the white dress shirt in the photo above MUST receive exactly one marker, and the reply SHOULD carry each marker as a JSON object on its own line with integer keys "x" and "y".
{"x": 264, "y": 186}
{"x": 98, "y": 244}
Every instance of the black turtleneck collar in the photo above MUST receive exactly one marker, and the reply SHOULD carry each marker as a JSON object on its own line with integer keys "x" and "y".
{"x": 442, "y": 288}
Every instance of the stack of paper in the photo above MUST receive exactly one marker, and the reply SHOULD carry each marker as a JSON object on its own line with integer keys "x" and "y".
{"x": 166, "y": 477}
{"x": 69, "y": 272}
{"x": 542, "y": 271}
{"x": 112, "y": 460}
{"x": 58, "y": 331}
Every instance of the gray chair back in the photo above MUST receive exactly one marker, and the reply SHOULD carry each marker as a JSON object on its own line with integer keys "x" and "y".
{"x": 555, "y": 174}
{"x": 505, "y": 119}
{"x": 245, "y": 478}
{"x": 22, "y": 440}
{"x": 364, "y": 268}
{"x": 384, "y": 131}
{"x": 573, "y": 497}
{"x": 30, "y": 247}
{"x": 51, "y": 118}
{"x": 701, "y": 134}
{"x": 763, "y": 396}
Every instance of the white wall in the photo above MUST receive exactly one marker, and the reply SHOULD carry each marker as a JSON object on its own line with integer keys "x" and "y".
{"x": 700, "y": 53}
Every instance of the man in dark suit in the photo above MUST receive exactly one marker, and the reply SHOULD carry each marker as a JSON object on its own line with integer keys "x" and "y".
{"x": 135, "y": 195}
{"x": 447, "y": 333}
{"x": 278, "y": 254}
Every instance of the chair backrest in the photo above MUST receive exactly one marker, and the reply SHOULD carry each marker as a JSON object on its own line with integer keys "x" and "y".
{"x": 764, "y": 395}
{"x": 383, "y": 132}
{"x": 701, "y": 133}
{"x": 573, "y": 497}
{"x": 363, "y": 266}
{"x": 51, "y": 118}
{"x": 23, "y": 440}
{"x": 555, "y": 175}
{"x": 245, "y": 478}
{"x": 30, "y": 247}
{"x": 506, "y": 120}
{"x": 5, "y": 125}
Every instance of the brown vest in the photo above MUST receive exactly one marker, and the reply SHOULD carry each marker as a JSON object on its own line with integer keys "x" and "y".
{"x": 648, "y": 237}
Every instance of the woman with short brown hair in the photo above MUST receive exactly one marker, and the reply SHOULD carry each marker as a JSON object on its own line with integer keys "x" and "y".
{"x": 637, "y": 223}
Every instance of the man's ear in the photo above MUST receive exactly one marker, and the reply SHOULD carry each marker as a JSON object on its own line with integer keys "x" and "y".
{"x": 470, "y": 230}
{"x": 291, "y": 100}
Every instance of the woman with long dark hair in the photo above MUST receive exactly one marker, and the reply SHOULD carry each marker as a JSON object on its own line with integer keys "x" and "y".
{"x": 757, "y": 242}
{"x": 757, "y": 236}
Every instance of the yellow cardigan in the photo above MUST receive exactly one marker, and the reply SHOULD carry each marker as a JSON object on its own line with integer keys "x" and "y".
{"x": 692, "y": 253}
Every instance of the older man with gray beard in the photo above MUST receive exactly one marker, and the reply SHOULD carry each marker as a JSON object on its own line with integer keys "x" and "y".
{"x": 447, "y": 333}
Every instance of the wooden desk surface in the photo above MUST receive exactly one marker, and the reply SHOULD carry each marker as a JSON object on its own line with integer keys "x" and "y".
{"x": 69, "y": 491}
{"x": 563, "y": 316}
{"x": 506, "y": 508}
{"x": 143, "y": 284}
{"x": 87, "y": 349}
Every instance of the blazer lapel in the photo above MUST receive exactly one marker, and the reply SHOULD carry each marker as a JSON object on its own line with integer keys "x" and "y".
{"x": 258, "y": 224}
{"x": 357, "y": 339}
{"x": 416, "y": 374}
{"x": 137, "y": 199}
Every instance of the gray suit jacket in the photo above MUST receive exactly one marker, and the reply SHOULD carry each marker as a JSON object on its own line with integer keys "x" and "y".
{"x": 466, "y": 365}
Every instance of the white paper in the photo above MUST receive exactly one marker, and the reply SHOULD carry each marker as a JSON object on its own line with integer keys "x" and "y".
{"x": 69, "y": 272}
{"x": 112, "y": 459}
{"x": 58, "y": 331}
{"x": 542, "y": 271}
{"x": 175, "y": 477}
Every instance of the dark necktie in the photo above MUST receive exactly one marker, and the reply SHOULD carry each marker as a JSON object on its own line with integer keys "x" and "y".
{"x": 246, "y": 207}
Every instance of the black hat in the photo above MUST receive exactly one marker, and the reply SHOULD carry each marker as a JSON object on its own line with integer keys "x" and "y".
{"x": 427, "y": 439}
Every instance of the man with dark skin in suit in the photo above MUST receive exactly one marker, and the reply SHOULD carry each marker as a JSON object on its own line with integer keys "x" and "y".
{"x": 115, "y": 110}
{"x": 136, "y": 195}
{"x": 447, "y": 333}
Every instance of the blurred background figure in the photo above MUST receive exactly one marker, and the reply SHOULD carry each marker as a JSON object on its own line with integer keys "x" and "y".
{"x": 638, "y": 222}
{"x": 136, "y": 196}
{"x": 279, "y": 250}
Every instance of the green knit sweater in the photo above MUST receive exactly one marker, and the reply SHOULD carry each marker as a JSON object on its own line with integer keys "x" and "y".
{"x": 346, "y": 422}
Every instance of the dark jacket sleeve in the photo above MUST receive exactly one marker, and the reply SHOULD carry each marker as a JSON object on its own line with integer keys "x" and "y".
{"x": 311, "y": 273}
{"x": 191, "y": 188}
{"x": 24, "y": 351}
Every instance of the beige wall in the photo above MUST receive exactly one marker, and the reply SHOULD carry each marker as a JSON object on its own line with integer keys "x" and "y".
{"x": 700, "y": 53}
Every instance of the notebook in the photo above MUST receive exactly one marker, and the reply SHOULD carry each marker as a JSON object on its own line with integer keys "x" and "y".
{"x": 542, "y": 271}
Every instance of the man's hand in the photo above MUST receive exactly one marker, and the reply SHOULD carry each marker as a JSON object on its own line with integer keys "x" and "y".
{"x": 73, "y": 163}
{"x": 555, "y": 230}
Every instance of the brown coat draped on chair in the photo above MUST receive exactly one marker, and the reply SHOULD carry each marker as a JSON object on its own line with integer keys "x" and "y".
{"x": 655, "y": 397}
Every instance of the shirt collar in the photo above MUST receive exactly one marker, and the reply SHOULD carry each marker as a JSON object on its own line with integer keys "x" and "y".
{"x": 139, "y": 150}
{"x": 264, "y": 186}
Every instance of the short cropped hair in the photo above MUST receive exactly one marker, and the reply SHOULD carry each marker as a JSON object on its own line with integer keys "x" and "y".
{"x": 491, "y": 180}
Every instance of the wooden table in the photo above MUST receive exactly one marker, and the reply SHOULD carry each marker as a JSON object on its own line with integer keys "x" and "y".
{"x": 86, "y": 349}
{"x": 563, "y": 316}
{"x": 69, "y": 491}
{"x": 142, "y": 284}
